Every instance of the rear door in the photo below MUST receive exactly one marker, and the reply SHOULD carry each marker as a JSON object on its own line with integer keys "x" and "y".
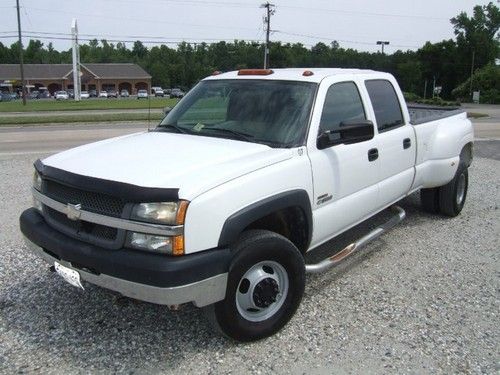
{"x": 395, "y": 141}
{"x": 345, "y": 177}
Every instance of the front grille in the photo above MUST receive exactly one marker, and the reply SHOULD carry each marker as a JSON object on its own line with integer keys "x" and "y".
{"x": 95, "y": 202}
{"x": 80, "y": 229}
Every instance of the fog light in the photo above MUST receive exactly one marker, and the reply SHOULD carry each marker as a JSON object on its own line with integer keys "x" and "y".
{"x": 150, "y": 242}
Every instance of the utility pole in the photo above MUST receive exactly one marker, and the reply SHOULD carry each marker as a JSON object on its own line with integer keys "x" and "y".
{"x": 383, "y": 43}
{"x": 472, "y": 71}
{"x": 21, "y": 66}
{"x": 267, "y": 20}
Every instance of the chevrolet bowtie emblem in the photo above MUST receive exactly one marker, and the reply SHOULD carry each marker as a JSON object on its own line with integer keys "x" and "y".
{"x": 73, "y": 211}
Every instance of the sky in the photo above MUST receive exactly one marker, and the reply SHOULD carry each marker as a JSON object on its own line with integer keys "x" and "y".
{"x": 358, "y": 24}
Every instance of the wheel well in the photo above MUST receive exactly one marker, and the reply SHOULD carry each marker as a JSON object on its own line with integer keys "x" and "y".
{"x": 466, "y": 155}
{"x": 290, "y": 222}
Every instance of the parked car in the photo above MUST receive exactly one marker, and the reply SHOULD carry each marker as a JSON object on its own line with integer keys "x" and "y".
{"x": 62, "y": 95}
{"x": 112, "y": 94}
{"x": 124, "y": 94}
{"x": 93, "y": 93}
{"x": 34, "y": 94}
{"x": 158, "y": 92}
{"x": 84, "y": 95}
{"x": 167, "y": 91}
{"x": 219, "y": 208}
{"x": 103, "y": 94}
{"x": 71, "y": 93}
{"x": 142, "y": 94}
{"x": 44, "y": 94}
{"x": 5, "y": 96}
{"x": 177, "y": 93}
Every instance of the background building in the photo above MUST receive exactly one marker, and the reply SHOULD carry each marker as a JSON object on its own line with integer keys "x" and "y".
{"x": 57, "y": 77}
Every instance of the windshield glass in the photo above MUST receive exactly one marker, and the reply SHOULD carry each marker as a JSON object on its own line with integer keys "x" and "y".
{"x": 275, "y": 113}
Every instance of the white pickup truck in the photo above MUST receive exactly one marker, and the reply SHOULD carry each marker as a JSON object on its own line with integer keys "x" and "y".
{"x": 252, "y": 169}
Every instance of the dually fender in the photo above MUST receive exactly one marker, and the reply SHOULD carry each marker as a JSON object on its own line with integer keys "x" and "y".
{"x": 237, "y": 222}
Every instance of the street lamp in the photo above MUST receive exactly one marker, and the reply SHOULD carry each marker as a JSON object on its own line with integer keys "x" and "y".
{"x": 382, "y": 43}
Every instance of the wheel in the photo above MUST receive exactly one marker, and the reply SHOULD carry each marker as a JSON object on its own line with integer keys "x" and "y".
{"x": 452, "y": 195}
{"x": 265, "y": 286}
{"x": 430, "y": 200}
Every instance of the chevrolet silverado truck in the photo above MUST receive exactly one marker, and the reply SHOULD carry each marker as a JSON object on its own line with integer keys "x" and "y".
{"x": 218, "y": 205}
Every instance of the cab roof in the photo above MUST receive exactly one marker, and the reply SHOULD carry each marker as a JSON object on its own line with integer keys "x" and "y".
{"x": 294, "y": 74}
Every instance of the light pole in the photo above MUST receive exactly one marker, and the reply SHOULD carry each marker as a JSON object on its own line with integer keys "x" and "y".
{"x": 382, "y": 43}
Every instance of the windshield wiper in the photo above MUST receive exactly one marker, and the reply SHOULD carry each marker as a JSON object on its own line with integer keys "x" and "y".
{"x": 240, "y": 135}
{"x": 175, "y": 127}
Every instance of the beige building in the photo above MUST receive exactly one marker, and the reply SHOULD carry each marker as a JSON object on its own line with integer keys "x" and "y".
{"x": 57, "y": 77}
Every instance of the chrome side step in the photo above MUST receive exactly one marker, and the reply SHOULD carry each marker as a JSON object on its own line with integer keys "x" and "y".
{"x": 399, "y": 215}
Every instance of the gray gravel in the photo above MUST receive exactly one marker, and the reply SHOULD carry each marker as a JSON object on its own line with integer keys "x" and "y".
{"x": 422, "y": 299}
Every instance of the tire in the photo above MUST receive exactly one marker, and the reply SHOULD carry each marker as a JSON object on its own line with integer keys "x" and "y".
{"x": 429, "y": 199}
{"x": 265, "y": 286}
{"x": 452, "y": 195}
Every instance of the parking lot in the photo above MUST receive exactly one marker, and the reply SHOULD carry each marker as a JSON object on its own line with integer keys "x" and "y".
{"x": 422, "y": 299}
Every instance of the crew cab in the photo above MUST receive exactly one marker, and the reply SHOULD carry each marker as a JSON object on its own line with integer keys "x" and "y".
{"x": 218, "y": 205}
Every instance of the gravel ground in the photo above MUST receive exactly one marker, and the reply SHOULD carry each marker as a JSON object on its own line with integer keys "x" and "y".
{"x": 422, "y": 299}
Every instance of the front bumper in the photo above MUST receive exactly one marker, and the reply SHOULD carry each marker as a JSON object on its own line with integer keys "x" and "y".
{"x": 199, "y": 278}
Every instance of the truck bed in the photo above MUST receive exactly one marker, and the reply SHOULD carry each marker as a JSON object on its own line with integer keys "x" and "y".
{"x": 420, "y": 114}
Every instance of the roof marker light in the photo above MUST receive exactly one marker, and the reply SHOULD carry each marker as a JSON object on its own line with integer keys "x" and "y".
{"x": 255, "y": 72}
{"x": 307, "y": 73}
{"x": 216, "y": 72}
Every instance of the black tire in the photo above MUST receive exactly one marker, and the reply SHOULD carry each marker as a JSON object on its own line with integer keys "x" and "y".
{"x": 452, "y": 195}
{"x": 253, "y": 247}
{"x": 430, "y": 200}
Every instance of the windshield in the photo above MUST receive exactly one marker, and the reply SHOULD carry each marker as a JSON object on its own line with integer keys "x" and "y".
{"x": 275, "y": 113}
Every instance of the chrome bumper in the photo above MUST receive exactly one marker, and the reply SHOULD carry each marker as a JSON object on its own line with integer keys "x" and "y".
{"x": 201, "y": 293}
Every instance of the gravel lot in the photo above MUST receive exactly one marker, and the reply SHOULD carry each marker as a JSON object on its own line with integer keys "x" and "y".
{"x": 422, "y": 299}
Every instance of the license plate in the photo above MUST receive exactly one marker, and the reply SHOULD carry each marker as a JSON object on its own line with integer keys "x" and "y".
{"x": 71, "y": 276}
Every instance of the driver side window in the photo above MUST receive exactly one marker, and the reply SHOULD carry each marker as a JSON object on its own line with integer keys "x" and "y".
{"x": 342, "y": 103}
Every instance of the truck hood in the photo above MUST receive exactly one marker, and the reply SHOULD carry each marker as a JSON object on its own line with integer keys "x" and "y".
{"x": 192, "y": 164}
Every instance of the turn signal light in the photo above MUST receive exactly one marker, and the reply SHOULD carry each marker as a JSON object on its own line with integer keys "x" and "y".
{"x": 255, "y": 72}
{"x": 178, "y": 245}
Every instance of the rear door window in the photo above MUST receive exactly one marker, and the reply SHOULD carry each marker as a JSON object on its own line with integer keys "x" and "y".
{"x": 385, "y": 104}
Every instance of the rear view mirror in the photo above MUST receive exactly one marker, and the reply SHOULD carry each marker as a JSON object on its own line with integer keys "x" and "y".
{"x": 348, "y": 132}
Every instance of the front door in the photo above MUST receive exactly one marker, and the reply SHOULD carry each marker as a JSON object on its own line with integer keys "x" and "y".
{"x": 345, "y": 177}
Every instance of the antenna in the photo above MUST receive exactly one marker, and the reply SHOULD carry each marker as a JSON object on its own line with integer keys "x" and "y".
{"x": 77, "y": 83}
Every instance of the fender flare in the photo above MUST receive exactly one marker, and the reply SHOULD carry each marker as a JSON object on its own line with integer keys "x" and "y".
{"x": 237, "y": 222}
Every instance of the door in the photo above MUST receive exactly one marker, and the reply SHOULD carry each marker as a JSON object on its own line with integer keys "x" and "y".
{"x": 395, "y": 142}
{"x": 345, "y": 176}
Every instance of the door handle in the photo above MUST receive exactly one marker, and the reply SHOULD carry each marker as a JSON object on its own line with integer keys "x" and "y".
{"x": 372, "y": 154}
{"x": 406, "y": 143}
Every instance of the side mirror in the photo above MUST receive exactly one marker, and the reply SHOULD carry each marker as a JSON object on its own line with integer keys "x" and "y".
{"x": 166, "y": 110}
{"x": 348, "y": 132}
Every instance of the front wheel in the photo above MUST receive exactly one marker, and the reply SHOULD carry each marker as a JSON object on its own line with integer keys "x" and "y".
{"x": 265, "y": 286}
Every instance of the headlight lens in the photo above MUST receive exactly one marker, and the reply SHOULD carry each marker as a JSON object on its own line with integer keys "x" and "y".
{"x": 150, "y": 242}
{"x": 37, "y": 181}
{"x": 172, "y": 213}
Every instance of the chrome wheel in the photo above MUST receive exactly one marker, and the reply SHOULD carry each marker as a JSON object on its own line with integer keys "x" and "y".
{"x": 460, "y": 189}
{"x": 262, "y": 291}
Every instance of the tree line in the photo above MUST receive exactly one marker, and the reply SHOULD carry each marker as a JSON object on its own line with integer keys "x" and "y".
{"x": 447, "y": 63}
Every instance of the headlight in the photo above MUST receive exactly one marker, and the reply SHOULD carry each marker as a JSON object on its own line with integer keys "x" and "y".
{"x": 172, "y": 213}
{"x": 37, "y": 181}
{"x": 156, "y": 244}
{"x": 150, "y": 242}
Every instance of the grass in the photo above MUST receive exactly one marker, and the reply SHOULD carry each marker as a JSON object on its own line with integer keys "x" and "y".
{"x": 37, "y": 120}
{"x": 476, "y": 115}
{"x": 86, "y": 104}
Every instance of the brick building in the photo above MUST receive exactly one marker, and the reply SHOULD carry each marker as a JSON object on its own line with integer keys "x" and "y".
{"x": 57, "y": 77}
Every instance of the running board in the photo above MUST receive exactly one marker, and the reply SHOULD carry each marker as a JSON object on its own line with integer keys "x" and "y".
{"x": 399, "y": 215}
